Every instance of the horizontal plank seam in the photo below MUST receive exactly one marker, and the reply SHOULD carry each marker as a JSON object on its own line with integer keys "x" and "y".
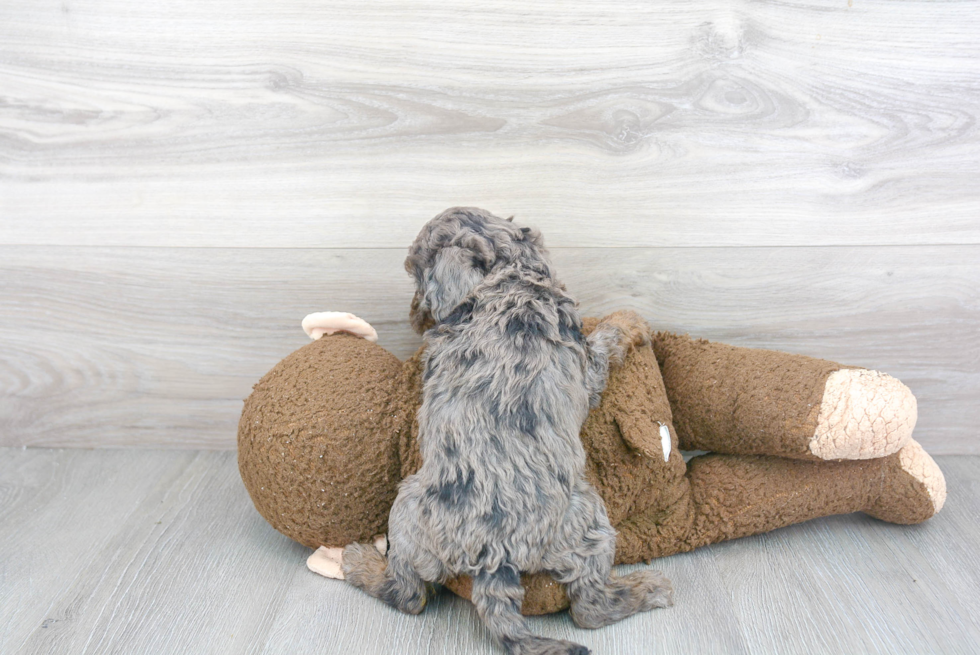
{"x": 550, "y": 248}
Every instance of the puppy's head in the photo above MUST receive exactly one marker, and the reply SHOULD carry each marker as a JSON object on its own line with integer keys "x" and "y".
{"x": 455, "y": 251}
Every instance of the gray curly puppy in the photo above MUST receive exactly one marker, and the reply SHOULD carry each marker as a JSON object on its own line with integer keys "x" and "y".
{"x": 508, "y": 382}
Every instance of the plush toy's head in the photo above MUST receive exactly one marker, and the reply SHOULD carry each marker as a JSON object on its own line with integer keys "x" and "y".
{"x": 318, "y": 441}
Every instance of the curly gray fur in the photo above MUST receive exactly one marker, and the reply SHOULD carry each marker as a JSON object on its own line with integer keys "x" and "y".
{"x": 508, "y": 380}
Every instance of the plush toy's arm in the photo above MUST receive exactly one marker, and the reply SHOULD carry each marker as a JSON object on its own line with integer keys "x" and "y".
{"x": 746, "y": 401}
{"x": 608, "y": 344}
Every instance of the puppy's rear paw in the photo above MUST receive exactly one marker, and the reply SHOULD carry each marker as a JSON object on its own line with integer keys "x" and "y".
{"x": 656, "y": 589}
{"x": 543, "y": 646}
{"x": 364, "y": 566}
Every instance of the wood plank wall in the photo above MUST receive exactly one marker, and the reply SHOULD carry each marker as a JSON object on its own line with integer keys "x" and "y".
{"x": 182, "y": 181}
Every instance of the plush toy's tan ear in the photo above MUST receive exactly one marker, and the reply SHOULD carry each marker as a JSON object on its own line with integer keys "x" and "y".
{"x": 652, "y": 438}
{"x": 643, "y": 413}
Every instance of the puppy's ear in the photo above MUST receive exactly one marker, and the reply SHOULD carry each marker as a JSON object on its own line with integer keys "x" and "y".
{"x": 452, "y": 276}
{"x": 532, "y": 236}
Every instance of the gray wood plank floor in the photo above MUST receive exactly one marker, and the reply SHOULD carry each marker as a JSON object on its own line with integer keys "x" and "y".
{"x": 138, "y": 551}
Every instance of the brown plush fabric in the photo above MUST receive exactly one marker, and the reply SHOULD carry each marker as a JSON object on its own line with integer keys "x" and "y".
{"x": 902, "y": 497}
{"x": 542, "y": 595}
{"x": 317, "y": 441}
{"x": 742, "y": 401}
{"x": 735, "y": 496}
{"x": 411, "y": 396}
{"x": 327, "y": 435}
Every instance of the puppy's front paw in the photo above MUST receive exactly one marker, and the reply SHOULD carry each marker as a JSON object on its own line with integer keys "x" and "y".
{"x": 361, "y": 556}
{"x": 634, "y": 330}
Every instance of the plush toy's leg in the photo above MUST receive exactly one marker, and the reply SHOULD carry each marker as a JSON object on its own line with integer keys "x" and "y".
{"x": 746, "y": 401}
{"x": 913, "y": 487}
{"x": 734, "y": 496}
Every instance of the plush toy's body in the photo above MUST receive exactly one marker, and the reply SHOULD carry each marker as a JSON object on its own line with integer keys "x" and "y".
{"x": 328, "y": 434}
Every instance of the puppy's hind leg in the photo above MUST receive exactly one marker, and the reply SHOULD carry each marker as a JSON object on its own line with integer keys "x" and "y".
{"x": 497, "y": 597}
{"x": 598, "y": 605}
{"x": 582, "y": 561}
{"x": 393, "y": 580}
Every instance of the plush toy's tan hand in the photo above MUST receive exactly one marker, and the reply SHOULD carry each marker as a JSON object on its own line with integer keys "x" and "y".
{"x": 864, "y": 415}
{"x": 320, "y": 323}
{"x": 329, "y": 562}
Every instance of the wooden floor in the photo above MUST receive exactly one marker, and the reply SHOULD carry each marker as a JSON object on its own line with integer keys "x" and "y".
{"x": 140, "y": 551}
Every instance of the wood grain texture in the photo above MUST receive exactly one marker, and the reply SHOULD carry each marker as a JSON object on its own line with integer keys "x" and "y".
{"x": 240, "y": 124}
{"x": 162, "y": 552}
{"x": 159, "y": 346}
{"x": 60, "y": 510}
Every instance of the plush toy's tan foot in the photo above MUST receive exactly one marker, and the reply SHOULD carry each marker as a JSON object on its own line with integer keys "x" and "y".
{"x": 329, "y": 562}
{"x": 864, "y": 415}
{"x": 913, "y": 488}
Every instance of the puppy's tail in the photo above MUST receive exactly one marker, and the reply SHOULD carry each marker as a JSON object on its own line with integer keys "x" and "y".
{"x": 497, "y": 597}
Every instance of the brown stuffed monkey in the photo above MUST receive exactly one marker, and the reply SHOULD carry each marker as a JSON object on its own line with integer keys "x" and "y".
{"x": 328, "y": 433}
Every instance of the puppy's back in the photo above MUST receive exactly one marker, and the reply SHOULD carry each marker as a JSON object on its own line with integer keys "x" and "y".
{"x": 504, "y": 400}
